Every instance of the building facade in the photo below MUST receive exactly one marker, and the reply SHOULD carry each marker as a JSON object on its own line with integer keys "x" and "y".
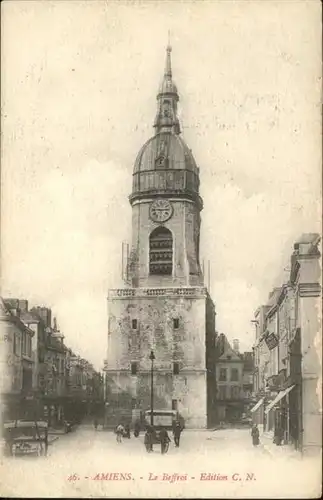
{"x": 16, "y": 361}
{"x": 288, "y": 381}
{"x": 234, "y": 381}
{"x": 49, "y": 374}
{"x": 164, "y": 306}
{"x": 247, "y": 378}
{"x": 306, "y": 343}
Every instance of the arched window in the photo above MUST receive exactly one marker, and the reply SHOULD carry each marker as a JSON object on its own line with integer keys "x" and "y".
{"x": 161, "y": 251}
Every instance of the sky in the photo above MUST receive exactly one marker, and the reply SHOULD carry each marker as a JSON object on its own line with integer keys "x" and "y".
{"x": 78, "y": 91}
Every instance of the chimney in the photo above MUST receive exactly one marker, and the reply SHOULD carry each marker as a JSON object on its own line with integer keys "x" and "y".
{"x": 221, "y": 344}
{"x": 45, "y": 314}
{"x": 236, "y": 345}
{"x": 23, "y": 306}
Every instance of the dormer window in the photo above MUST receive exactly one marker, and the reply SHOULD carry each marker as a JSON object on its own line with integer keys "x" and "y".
{"x": 161, "y": 162}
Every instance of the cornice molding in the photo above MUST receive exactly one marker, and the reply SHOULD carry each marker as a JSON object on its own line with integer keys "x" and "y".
{"x": 309, "y": 289}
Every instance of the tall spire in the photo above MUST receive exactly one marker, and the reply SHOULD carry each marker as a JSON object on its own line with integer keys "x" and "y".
{"x": 168, "y": 65}
{"x": 166, "y": 118}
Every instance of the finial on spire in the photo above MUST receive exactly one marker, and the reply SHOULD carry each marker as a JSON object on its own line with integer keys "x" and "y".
{"x": 168, "y": 66}
{"x": 166, "y": 119}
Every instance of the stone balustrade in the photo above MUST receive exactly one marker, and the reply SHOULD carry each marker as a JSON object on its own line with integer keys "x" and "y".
{"x": 122, "y": 293}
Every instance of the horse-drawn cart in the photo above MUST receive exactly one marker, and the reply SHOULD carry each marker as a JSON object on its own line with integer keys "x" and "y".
{"x": 26, "y": 438}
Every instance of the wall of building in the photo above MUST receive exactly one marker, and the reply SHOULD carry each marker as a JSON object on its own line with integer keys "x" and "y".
{"x": 16, "y": 361}
{"x": 210, "y": 359}
{"x": 311, "y": 372}
{"x": 155, "y": 330}
{"x": 233, "y": 394}
{"x": 295, "y": 363}
{"x": 184, "y": 226}
{"x": 11, "y": 358}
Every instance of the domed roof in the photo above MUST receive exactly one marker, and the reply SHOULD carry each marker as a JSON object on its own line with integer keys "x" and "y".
{"x": 165, "y": 151}
{"x": 165, "y": 165}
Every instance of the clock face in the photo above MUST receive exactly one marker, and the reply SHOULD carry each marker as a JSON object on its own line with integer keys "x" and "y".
{"x": 161, "y": 210}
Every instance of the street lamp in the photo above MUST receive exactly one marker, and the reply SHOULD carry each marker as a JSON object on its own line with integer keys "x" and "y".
{"x": 152, "y": 358}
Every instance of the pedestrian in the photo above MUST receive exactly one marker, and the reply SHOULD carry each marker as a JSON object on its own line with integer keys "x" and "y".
{"x": 278, "y": 435}
{"x": 255, "y": 435}
{"x": 136, "y": 428}
{"x": 127, "y": 431}
{"x": 148, "y": 439}
{"x": 119, "y": 432}
{"x": 177, "y": 429}
{"x": 164, "y": 440}
{"x": 95, "y": 423}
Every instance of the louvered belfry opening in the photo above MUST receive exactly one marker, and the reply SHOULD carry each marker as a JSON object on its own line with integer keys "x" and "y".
{"x": 161, "y": 251}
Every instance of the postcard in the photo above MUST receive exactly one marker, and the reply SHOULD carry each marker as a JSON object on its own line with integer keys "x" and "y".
{"x": 161, "y": 249}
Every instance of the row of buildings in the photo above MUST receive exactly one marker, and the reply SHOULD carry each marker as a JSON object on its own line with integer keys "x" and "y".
{"x": 40, "y": 376}
{"x": 287, "y": 352}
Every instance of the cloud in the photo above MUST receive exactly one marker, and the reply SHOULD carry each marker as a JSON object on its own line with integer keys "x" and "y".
{"x": 76, "y": 223}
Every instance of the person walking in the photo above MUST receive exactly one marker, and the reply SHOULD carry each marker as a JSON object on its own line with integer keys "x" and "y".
{"x": 177, "y": 429}
{"x": 278, "y": 435}
{"x": 95, "y": 423}
{"x": 148, "y": 439}
{"x": 164, "y": 440}
{"x": 127, "y": 431}
{"x": 255, "y": 435}
{"x": 119, "y": 432}
{"x": 136, "y": 429}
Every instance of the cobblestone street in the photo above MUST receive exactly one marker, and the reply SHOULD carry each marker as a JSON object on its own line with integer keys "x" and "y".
{"x": 208, "y": 464}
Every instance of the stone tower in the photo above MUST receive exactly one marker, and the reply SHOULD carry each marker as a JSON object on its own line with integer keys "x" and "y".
{"x": 164, "y": 305}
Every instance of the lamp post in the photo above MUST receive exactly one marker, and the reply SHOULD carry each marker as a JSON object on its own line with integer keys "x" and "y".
{"x": 152, "y": 358}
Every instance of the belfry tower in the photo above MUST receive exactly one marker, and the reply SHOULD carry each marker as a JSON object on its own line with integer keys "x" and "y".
{"x": 164, "y": 305}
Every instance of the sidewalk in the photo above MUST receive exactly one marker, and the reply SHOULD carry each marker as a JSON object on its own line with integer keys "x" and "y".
{"x": 285, "y": 450}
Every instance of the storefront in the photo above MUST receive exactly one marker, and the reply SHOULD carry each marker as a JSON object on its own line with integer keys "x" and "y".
{"x": 257, "y": 412}
{"x": 277, "y": 416}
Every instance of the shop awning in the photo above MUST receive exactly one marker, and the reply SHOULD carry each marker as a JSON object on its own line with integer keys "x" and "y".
{"x": 279, "y": 396}
{"x": 257, "y": 405}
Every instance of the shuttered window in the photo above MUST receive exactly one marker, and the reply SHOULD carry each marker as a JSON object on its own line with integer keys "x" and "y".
{"x": 161, "y": 251}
